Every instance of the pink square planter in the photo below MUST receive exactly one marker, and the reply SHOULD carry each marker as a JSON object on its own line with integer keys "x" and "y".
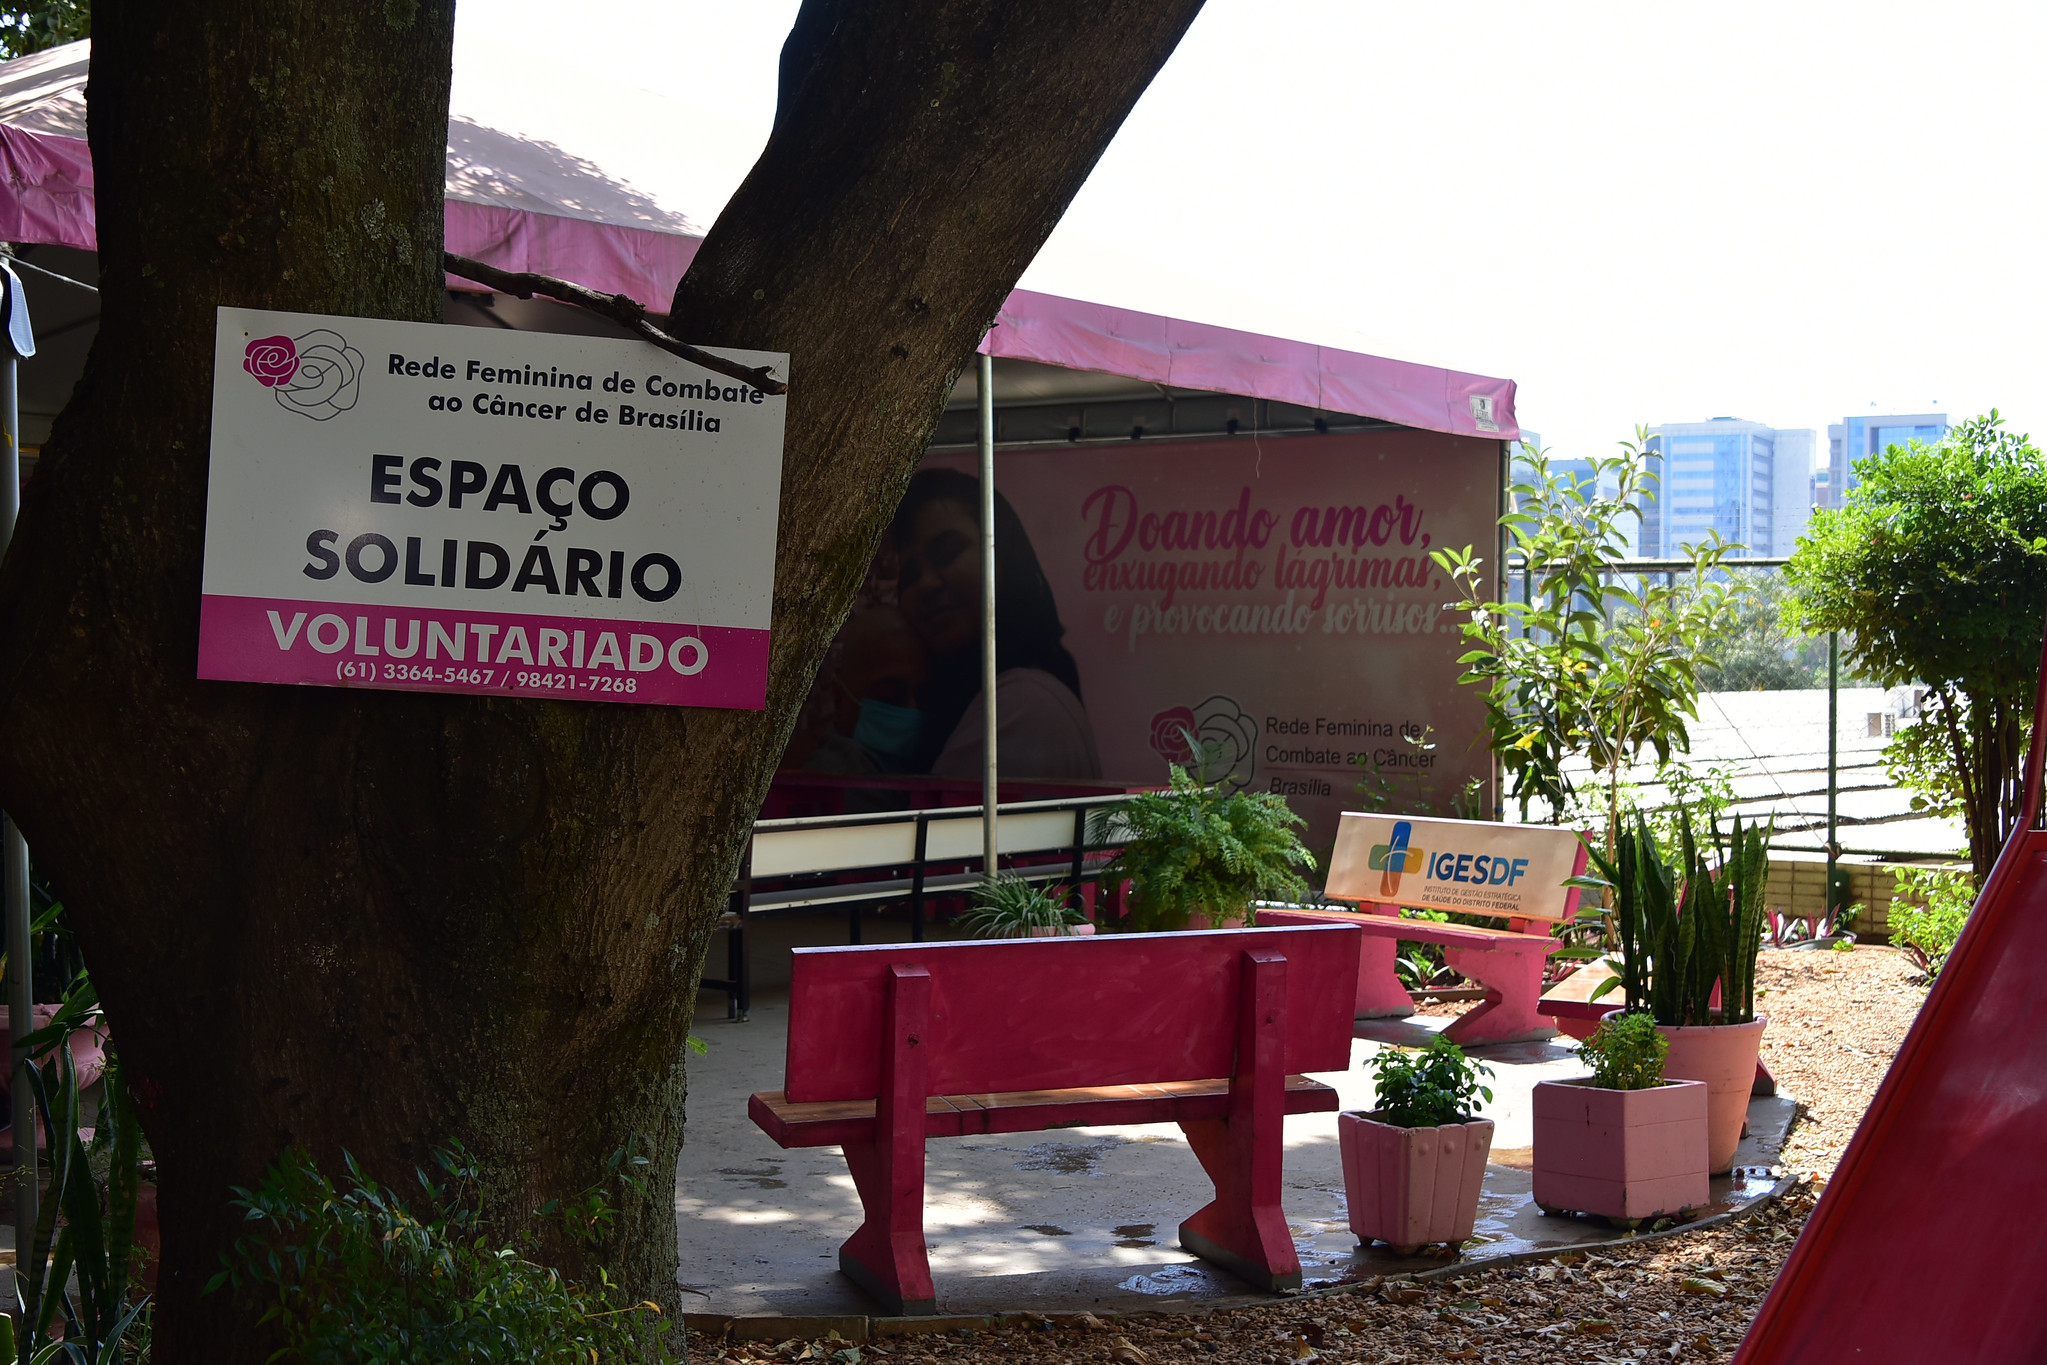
{"x": 1410, "y": 1186}
{"x": 1626, "y": 1154}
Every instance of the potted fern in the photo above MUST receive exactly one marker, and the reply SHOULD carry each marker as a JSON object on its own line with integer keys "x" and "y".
{"x": 1198, "y": 853}
{"x": 1414, "y": 1166}
{"x": 1007, "y": 906}
{"x": 1688, "y": 932}
{"x": 1626, "y": 1143}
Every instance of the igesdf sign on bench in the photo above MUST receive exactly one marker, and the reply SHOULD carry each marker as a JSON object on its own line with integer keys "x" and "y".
{"x": 453, "y": 509}
{"x": 1480, "y": 867}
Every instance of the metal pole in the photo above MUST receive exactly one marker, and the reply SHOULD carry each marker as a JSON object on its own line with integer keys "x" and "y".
{"x": 985, "y": 396}
{"x": 20, "y": 341}
{"x": 1833, "y": 761}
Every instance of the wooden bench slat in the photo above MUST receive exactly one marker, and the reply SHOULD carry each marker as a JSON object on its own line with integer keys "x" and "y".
{"x": 831, "y": 1123}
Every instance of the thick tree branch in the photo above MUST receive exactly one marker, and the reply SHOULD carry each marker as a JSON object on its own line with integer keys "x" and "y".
{"x": 620, "y": 308}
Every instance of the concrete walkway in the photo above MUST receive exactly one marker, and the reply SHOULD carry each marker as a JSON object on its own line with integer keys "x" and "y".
{"x": 1081, "y": 1218}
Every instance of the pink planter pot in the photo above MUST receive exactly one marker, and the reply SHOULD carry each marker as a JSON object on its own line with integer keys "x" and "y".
{"x": 1073, "y": 931}
{"x": 1626, "y": 1154}
{"x": 1410, "y": 1186}
{"x": 1724, "y": 1057}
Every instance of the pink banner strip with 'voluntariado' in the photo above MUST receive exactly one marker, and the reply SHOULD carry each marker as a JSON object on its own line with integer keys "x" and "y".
{"x": 420, "y": 649}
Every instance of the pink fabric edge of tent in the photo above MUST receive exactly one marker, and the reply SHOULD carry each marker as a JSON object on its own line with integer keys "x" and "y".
{"x": 47, "y": 197}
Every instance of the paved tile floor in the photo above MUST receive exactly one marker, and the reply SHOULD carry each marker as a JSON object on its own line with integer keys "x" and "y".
{"x": 1079, "y": 1218}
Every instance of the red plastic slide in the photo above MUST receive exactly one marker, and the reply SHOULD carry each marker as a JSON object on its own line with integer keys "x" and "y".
{"x": 1930, "y": 1244}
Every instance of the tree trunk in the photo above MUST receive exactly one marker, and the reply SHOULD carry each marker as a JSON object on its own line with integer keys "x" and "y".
{"x": 378, "y": 921}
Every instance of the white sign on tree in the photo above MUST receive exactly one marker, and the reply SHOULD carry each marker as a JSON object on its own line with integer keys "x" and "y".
{"x": 452, "y": 509}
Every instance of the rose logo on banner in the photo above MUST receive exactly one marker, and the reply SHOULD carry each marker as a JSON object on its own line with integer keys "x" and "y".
{"x": 318, "y": 374}
{"x": 1169, "y": 731}
{"x": 1227, "y": 740}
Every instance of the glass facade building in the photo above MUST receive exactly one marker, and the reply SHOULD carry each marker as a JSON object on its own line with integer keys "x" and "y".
{"x": 1748, "y": 482}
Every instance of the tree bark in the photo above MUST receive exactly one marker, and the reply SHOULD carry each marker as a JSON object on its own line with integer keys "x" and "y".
{"x": 379, "y": 921}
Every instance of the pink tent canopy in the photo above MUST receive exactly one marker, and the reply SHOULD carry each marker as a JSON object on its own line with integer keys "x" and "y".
{"x": 523, "y": 203}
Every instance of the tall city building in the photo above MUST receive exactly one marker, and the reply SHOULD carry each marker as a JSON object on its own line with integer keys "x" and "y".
{"x": 1857, "y": 438}
{"x": 1750, "y": 482}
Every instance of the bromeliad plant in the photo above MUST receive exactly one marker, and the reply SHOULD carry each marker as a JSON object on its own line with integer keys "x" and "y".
{"x": 1685, "y": 926}
{"x": 81, "y": 1303}
{"x": 1428, "y": 1087}
{"x": 1007, "y": 906}
{"x": 1202, "y": 846}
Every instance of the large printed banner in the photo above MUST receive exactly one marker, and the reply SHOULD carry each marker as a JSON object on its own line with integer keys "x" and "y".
{"x": 1272, "y": 597}
{"x": 452, "y": 509}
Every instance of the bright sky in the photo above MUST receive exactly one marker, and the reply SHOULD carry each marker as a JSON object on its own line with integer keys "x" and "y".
{"x": 1641, "y": 213}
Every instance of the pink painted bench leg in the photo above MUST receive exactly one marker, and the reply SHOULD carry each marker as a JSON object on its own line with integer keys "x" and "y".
{"x": 1243, "y": 1229}
{"x": 1380, "y": 994}
{"x": 886, "y": 1256}
{"x": 1512, "y": 976}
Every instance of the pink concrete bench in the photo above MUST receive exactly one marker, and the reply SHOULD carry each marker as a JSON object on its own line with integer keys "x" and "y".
{"x": 1511, "y": 872}
{"x": 894, "y": 1044}
{"x": 1506, "y": 962}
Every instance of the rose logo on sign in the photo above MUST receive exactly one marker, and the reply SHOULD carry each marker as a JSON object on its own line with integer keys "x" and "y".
{"x": 318, "y": 375}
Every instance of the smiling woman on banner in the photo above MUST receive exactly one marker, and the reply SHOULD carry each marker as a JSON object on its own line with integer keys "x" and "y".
{"x": 1043, "y": 730}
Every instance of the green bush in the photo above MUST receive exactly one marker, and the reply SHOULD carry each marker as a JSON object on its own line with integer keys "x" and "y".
{"x": 1428, "y": 1087}
{"x": 1927, "y": 931}
{"x": 353, "y": 1275}
{"x": 1202, "y": 847}
{"x": 1626, "y": 1053}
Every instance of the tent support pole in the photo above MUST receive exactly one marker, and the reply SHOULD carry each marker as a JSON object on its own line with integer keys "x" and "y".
{"x": 984, "y": 388}
{"x": 13, "y": 848}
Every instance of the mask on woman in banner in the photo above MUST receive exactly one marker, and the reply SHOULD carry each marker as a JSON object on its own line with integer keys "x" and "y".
{"x": 888, "y": 731}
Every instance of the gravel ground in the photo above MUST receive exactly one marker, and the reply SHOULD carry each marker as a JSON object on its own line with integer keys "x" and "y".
{"x": 1836, "y": 1020}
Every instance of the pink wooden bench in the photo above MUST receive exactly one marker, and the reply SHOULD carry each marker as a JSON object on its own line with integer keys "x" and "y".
{"x": 1514, "y": 872}
{"x": 893, "y": 1044}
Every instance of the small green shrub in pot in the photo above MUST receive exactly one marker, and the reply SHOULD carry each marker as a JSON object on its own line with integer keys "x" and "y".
{"x": 1007, "y": 906}
{"x": 1428, "y": 1087}
{"x": 1626, "y": 1053}
{"x": 1206, "y": 847}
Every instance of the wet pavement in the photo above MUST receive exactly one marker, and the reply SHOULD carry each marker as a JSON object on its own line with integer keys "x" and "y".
{"x": 1080, "y": 1218}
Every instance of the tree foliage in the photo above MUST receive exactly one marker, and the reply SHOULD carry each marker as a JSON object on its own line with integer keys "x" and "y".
{"x": 1590, "y": 663}
{"x": 41, "y": 24}
{"x": 1935, "y": 572}
{"x": 1754, "y": 651}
